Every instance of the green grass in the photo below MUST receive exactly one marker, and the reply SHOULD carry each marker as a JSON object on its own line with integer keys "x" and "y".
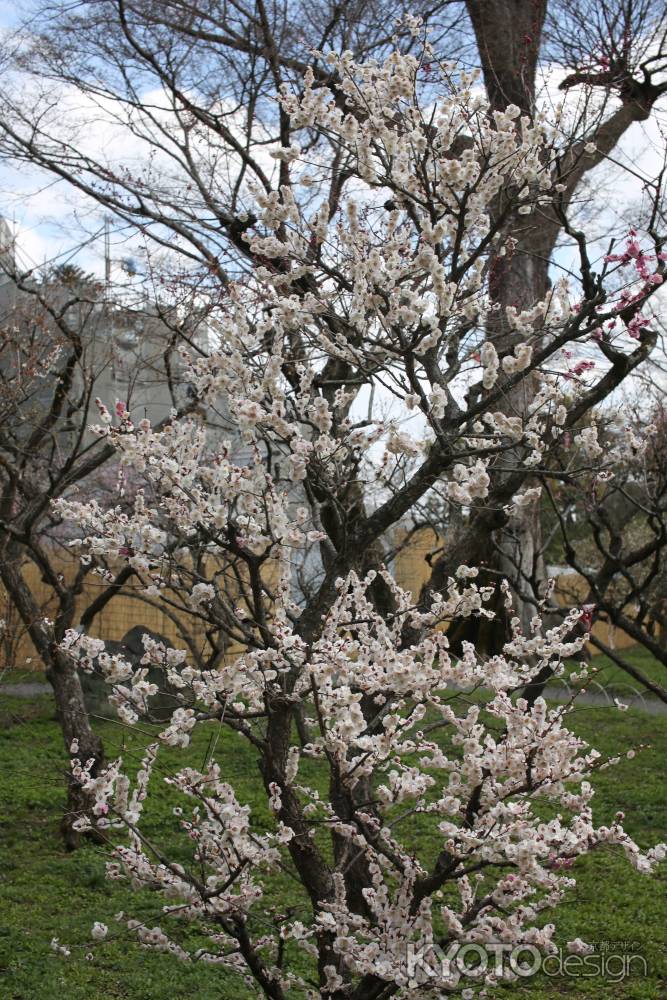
{"x": 612, "y": 676}
{"x": 45, "y": 892}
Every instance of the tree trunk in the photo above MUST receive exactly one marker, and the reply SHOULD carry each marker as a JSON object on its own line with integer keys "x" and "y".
{"x": 519, "y": 544}
{"x": 75, "y": 724}
{"x": 508, "y": 34}
{"x": 508, "y": 37}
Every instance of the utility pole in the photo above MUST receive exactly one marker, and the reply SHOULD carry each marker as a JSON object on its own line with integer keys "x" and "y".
{"x": 107, "y": 257}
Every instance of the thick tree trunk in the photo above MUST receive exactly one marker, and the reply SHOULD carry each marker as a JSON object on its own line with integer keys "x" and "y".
{"x": 519, "y": 544}
{"x": 64, "y": 679}
{"x": 508, "y": 37}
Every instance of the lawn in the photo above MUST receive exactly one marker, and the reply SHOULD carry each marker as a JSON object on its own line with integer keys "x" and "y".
{"x": 46, "y": 892}
{"x": 612, "y": 676}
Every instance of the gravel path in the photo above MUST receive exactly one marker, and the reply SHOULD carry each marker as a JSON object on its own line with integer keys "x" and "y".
{"x": 605, "y": 699}
{"x": 596, "y": 698}
{"x": 29, "y": 689}
{"x": 600, "y": 699}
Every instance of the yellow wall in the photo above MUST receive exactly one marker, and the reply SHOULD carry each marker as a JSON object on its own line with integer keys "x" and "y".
{"x": 412, "y": 571}
{"x": 124, "y": 611}
{"x": 119, "y": 615}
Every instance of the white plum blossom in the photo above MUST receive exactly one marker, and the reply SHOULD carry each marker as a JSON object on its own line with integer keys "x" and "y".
{"x": 201, "y": 593}
{"x": 491, "y": 364}
{"x": 469, "y": 483}
{"x": 579, "y": 947}
{"x": 477, "y": 788}
{"x": 519, "y": 361}
{"x": 587, "y": 440}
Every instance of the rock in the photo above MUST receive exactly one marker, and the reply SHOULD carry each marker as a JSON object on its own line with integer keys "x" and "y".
{"x": 131, "y": 647}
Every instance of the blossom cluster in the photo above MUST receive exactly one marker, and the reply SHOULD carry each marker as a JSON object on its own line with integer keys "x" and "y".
{"x": 478, "y": 788}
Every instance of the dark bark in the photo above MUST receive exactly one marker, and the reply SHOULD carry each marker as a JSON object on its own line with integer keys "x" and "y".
{"x": 508, "y": 35}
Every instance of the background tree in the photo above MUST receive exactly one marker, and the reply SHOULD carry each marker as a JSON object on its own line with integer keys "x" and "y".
{"x": 55, "y": 354}
{"x": 610, "y": 529}
{"x": 618, "y": 52}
